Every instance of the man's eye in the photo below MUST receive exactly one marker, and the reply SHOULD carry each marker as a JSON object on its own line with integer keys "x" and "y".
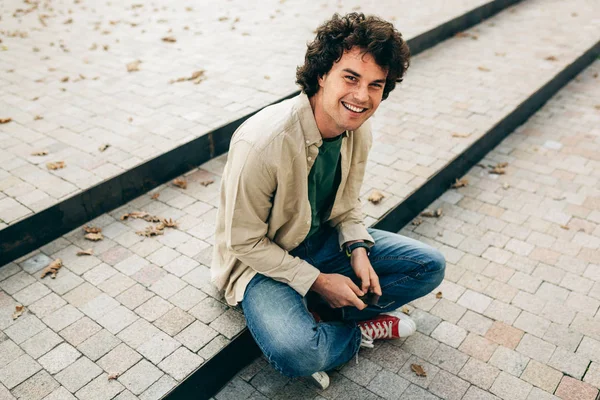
{"x": 351, "y": 78}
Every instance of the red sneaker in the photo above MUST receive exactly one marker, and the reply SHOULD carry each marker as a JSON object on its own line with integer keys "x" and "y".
{"x": 386, "y": 327}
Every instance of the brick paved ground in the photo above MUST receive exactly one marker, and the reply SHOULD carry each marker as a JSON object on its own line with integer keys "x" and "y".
{"x": 140, "y": 114}
{"x": 145, "y": 308}
{"x": 519, "y": 317}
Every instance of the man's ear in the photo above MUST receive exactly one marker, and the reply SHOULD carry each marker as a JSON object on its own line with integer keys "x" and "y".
{"x": 321, "y": 79}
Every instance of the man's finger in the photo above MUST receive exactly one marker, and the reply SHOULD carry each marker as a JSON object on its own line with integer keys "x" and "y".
{"x": 355, "y": 288}
{"x": 356, "y": 302}
{"x": 365, "y": 282}
{"x": 375, "y": 285}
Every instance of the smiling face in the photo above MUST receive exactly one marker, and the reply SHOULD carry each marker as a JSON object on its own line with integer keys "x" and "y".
{"x": 349, "y": 93}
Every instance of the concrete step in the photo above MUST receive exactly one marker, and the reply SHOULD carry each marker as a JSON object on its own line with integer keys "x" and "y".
{"x": 174, "y": 266}
{"x": 157, "y": 131}
{"x": 519, "y": 315}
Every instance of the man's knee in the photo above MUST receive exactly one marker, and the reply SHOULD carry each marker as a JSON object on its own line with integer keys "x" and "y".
{"x": 299, "y": 355}
{"x": 437, "y": 265}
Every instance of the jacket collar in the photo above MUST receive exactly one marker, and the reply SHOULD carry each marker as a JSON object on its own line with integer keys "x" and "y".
{"x": 307, "y": 121}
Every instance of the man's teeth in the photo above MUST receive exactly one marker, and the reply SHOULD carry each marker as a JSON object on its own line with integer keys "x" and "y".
{"x": 352, "y": 108}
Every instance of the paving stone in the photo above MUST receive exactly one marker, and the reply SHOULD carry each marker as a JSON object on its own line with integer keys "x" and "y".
{"x": 448, "y": 311}
{"x": 235, "y": 389}
{"x": 479, "y": 373}
{"x": 134, "y": 296}
{"x": 553, "y": 293}
{"x": 153, "y": 309}
{"x": 100, "y": 388}
{"x": 37, "y": 387}
{"x": 64, "y": 282}
{"x": 508, "y": 387}
{"x": 475, "y": 323}
{"x": 525, "y": 282}
{"x": 149, "y": 275}
{"x": 582, "y": 303}
{"x": 539, "y": 394}
{"x": 60, "y": 394}
{"x": 509, "y": 360}
{"x": 407, "y": 373}
{"x": 562, "y": 336}
{"x": 79, "y": 331}
{"x": 139, "y": 377}
{"x": 78, "y": 374}
{"x": 208, "y": 310}
{"x": 116, "y": 284}
{"x": 181, "y": 363}
{"x": 449, "y": 334}
{"x": 269, "y": 382}
{"x": 18, "y": 370}
{"x": 31, "y": 293}
{"x": 62, "y": 317}
{"x": 448, "y": 358}
{"x": 386, "y": 355}
{"x": 199, "y": 277}
{"x": 568, "y": 362}
{"x": 448, "y": 386}
{"x": 500, "y": 311}
{"x": 36, "y": 263}
{"x": 99, "y": 274}
{"x": 388, "y": 385}
{"x": 529, "y": 302}
{"x": 586, "y": 325}
{"x": 82, "y": 294}
{"x": 196, "y": 336}
{"x": 229, "y": 324}
{"x": 183, "y": 264}
{"x": 558, "y": 313}
{"x": 126, "y": 395}
{"x": 570, "y": 388}
{"x": 532, "y": 324}
{"x": 174, "y": 321}
{"x": 542, "y": 376}
{"x": 426, "y": 322}
{"x": 117, "y": 319}
{"x": 167, "y": 286}
{"x": 16, "y": 282}
{"x": 504, "y": 334}
{"x": 361, "y": 373}
{"x": 138, "y": 333}
{"x": 119, "y": 359}
{"x": 476, "y": 282}
{"x": 414, "y": 392}
{"x": 41, "y": 343}
{"x": 592, "y": 375}
{"x": 159, "y": 388}
{"x": 478, "y": 347}
{"x": 536, "y": 348}
{"x": 420, "y": 345}
{"x": 26, "y": 327}
{"x": 475, "y": 393}
{"x": 99, "y": 306}
{"x": 157, "y": 348}
{"x": 163, "y": 256}
{"x": 9, "y": 352}
{"x": 98, "y": 345}
{"x": 589, "y": 348}
{"x": 131, "y": 265}
{"x": 59, "y": 358}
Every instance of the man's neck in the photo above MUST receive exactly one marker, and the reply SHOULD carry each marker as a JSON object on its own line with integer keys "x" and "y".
{"x": 327, "y": 127}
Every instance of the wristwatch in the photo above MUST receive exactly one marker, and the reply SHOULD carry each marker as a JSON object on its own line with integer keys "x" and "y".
{"x": 350, "y": 248}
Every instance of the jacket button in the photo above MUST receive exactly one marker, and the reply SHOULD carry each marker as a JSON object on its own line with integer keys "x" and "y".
{"x": 308, "y": 141}
{"x": 309, "y": 158}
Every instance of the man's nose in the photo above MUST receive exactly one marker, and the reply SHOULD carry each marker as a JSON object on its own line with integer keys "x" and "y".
{"x": 362, "y": 94}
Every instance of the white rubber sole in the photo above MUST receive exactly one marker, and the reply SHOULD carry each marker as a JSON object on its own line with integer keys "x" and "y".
{"x": 319, "y": 379}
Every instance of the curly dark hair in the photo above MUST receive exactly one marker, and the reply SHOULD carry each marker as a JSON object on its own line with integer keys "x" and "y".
{"x": 372, "y": 34}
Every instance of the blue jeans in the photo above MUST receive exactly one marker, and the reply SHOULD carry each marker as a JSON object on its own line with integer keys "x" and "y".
{"x": 287, "y": 333}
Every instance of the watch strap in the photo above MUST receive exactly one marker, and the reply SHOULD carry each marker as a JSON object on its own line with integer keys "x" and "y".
{"x": 350, "y": 248}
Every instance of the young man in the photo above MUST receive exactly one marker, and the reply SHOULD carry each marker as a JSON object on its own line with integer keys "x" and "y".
{"x": 290, "y": 222}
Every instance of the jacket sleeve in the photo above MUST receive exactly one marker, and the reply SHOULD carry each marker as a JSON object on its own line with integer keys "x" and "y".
{"x": 249, "y": 193}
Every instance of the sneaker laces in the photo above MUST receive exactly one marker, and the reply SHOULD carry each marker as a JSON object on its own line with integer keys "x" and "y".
{"x": 377, "y": 330}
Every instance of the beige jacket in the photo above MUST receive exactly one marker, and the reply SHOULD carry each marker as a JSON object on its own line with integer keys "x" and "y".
{"x": 264, "y": 211}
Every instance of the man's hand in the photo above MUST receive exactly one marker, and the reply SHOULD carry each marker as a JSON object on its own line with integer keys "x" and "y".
{"x": 338, "y": 290}
{"x": 364, "y": 271}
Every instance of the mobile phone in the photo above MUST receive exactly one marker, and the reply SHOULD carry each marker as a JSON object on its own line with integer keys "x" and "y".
{"x": 373, "y": 299}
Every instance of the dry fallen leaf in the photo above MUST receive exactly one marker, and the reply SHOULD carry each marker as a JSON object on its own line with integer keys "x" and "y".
{"x": 484, "y": 69}
{"x": 500, "y": 54}
{"x": 417, "y": 222}
{"x": 551, "y": 58}
{"x": 565, "y": 227}
{"x": 150, "y": 231}
{"x": 375, "y": 197}
{"x": 91, "y": 229}
{"x": 155, "y": 196}
{"x": 134, "y": 215}
{"x": 417, "y": 369}
{"x": 37, "y": 117}
{"x": 87, "y": 252}
{"x": 460, "y": 183}
{"x": 5, "y": 120}
{"x": 497, "y": 171}
{"x": 267, "y": 77}
{"x": 69, "y": 21}
{"x": 169, "y": 223}
{"x": 52, "y": 268}
{"x": 196, "y": 77}
{"x": 180, "y": 182}
{"x": 438, "y": 295}
{"x": 134, "y": 66}
{"x": 65, "y": 79}
{"x": 223, "y": 19}
{"x": 104, "y": 147}
{"x": 207, "y": 182}
{"x": 460, "y": 135}
{"x": 113, "y": 376}
{"x": 405, "y": 310}
{"x": 169, "y": 39}
{"x": 40, "y": 153}
{"x": 597, "y": 107}
{"x": 19, "y": 310}
{"x": 94, "y": 237}
{"x": 432, "y": 213}
{"x": 56, "y": 165}
{"x": 152, "y": 218}
{"x": 505, "y": 186}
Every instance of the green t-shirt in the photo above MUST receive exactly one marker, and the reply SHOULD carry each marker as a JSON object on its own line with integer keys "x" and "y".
{"x": 323, "y": 181}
